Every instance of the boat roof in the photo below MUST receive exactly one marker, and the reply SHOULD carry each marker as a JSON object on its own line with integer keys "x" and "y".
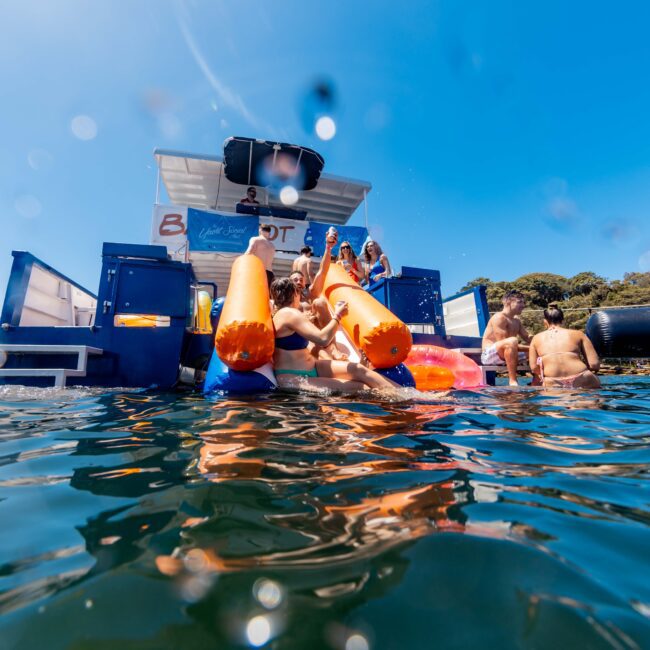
{"x": 198, "y": 181}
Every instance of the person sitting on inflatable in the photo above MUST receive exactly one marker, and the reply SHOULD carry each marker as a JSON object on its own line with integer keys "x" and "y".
{"x": 294, "y": 366}
{"x": 557, "y": 354}
{"x": 312, "y": 302}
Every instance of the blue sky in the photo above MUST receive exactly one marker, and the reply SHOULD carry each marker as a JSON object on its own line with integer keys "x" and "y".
{"x": 499, "y": 139}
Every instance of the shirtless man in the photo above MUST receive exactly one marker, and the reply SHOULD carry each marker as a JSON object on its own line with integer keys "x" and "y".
{"x": 501, "y": 337}
{"x": 261, "y": 247}
{"x": 303, "y": 264}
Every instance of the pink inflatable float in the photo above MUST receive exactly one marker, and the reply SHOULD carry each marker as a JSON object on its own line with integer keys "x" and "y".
{"x": 466, "y": 373}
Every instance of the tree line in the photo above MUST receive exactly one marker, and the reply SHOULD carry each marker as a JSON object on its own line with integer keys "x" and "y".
{"x": 584, "y": 290}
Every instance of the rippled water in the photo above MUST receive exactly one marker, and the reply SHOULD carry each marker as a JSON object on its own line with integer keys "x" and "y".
{"x": 494, "y": 518}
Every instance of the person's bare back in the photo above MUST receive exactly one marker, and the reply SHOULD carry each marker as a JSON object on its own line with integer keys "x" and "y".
{"x": 262, "y": 248}
{"x": 303, "y": 264}
{"x": 563, "y": 357}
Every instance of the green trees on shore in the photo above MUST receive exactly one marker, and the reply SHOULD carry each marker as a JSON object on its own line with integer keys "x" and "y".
{"x": 581, "y": 291}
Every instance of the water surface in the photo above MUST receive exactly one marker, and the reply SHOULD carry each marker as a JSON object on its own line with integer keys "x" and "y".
{"x": 493, "y": 518}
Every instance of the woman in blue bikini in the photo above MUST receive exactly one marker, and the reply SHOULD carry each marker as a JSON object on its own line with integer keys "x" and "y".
{"x": 294, "y": 366}
{"x": 377, "y": 264}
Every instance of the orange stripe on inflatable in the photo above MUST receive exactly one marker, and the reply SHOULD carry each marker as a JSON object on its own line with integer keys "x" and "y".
{"x": 382, "y": 336}
{"x": 244, "y": 339}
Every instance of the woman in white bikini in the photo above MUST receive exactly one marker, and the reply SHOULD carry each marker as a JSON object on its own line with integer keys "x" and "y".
{"x": 295, "y": 366}
{"x": 563, "y": 358}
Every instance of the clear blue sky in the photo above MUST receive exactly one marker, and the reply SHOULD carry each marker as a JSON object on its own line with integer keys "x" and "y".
{"x": 500, "y": 138}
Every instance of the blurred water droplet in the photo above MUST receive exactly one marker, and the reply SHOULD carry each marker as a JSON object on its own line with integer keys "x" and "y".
{"x": 268, "y": 593}
{"x": 88, "y": 604}
{"x": 258, "y": 631}
{"x": 27, "y": 206}
{"x": 644, "y": 261}
{"x": 357, "y": 642}
{"x": 318, "y": 100}
{"x": 214, "y": 106}
{"x": 40, "y": 159}
{"x": 196, "y": 560}
{"x": 83, "y": 127}
{"x": 289, "y": 195}
{"x": 224, "y": 124}
{"x": 170, "y": 126}
{"x": 325, "y": 127}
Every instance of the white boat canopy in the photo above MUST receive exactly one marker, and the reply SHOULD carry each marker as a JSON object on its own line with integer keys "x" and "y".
{"x": 198, "y": 181}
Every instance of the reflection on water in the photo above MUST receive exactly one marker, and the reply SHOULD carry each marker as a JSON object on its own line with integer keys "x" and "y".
{"x": 491, "y": 518}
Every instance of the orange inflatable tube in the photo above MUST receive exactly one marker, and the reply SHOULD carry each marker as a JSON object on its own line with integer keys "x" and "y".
{"x": 244, "y": 338}
{"x": 382, "y": 336}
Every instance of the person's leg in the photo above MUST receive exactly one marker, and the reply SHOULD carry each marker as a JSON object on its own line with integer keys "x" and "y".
{"x": 317, "y": 384}
{"x": 508, "y": 350}
{"x": 354, "y": 371}
{"x": 321, "y": 316}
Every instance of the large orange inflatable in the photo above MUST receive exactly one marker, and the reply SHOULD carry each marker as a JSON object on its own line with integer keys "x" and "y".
{"x": 382, "y": 336}
{"x": 244, "y": 339}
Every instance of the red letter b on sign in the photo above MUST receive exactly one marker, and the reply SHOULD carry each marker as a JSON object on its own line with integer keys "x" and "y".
{"x": 171, "y": 224}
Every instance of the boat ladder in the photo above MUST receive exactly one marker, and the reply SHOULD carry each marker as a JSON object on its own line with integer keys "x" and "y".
{"x": 60, "y": 375}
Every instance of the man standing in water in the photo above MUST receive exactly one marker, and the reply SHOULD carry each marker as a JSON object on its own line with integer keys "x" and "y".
{"x": 501, "y": 337}
{"x": 261, "y": 247}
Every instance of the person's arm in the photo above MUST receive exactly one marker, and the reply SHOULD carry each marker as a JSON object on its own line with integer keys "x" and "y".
{"x": 593, "y": 361}
{"x": 251, "y": 246}
{"x": 386, "y": 264}
{"x": 355, "y": 269}
{"x": 532, "y": 357}
{"x": 317, "y": 285}
{"x": 523, "y": 332}
{"x": 301, "y": 324}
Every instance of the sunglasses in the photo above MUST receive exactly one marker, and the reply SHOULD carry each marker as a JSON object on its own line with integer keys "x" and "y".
{"x": 345, "y": 248}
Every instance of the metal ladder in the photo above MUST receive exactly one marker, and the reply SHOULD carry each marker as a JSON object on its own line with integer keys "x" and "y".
{"x": 60, "y": 375}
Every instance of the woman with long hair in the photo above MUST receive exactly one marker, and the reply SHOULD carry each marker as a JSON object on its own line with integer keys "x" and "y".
{"x": 377, "y": 264}
{"x": 294, "y": 366}
{"x": 347, "y": 258}
{"x": 561, "y": 357}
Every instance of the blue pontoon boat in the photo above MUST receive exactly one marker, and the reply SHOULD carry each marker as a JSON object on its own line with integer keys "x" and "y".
{"x": 145, "y": 325}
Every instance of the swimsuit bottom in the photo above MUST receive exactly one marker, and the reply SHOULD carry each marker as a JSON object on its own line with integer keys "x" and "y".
{"x": 490, "y": 357}
{"x": 564, "y": 382}
{"x": 299, "y": 373}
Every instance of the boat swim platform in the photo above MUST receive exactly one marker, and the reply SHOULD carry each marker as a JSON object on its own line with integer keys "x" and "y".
{"x": 59, "y": 375}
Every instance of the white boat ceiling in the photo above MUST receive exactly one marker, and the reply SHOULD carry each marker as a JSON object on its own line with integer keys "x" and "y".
{"x": 198, "y": 181}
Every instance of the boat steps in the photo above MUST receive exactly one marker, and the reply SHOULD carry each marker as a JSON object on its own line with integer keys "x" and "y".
{"x": 60, "y": 375}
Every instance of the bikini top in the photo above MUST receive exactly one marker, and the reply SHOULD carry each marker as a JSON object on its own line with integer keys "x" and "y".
{"x": 292, "y": 342}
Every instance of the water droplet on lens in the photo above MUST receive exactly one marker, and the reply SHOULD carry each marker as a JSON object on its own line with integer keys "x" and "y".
{"x": 268, "y": 593}
{"x": 39, "y": 159}
{"x": 88, "y": 604}
{"x": 325, "y": 127}
{"x": 258, "y": 631}
{"x": 83, "y": 127}
{"x": 289, "y": 195}
{"x": 357, "y": 642}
